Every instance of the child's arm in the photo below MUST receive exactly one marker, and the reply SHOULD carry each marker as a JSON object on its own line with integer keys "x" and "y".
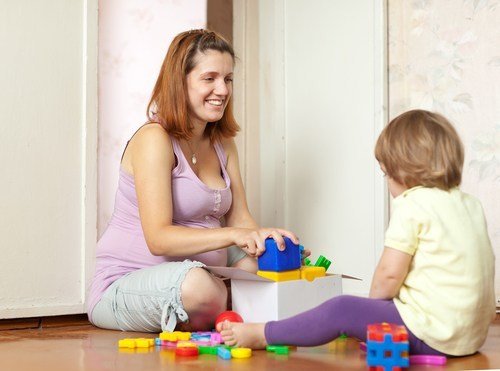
{"x": 390, "y": 273}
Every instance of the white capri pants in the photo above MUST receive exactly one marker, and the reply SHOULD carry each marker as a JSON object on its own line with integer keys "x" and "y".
{"x": 149, "y": 299}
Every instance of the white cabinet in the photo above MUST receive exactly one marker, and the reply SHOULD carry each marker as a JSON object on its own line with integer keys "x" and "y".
{"x": 48, "y": 176}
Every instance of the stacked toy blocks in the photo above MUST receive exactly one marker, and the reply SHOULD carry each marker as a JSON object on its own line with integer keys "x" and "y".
{"x": 279, "y": 265}
{"x": 287, "y": 265}
{"x": 387, "y": 347}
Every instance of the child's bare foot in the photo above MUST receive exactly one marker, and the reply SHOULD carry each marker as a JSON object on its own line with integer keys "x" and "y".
{"x": 244, "y": 335}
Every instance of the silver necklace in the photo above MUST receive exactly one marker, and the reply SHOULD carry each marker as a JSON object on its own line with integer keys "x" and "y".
{"x": 194, "y": 160}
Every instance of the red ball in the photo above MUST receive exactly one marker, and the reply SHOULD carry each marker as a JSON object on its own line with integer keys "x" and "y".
{"x": 186, "y": 351}
{"x": 228, "y": 315}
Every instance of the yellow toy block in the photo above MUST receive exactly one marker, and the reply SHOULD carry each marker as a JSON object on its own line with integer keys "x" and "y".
{"x": 144, "y": 343}
{"x": 186, "y": 344}
{"x": 309, "y": 273}
{"x": 281, "y": 276}
{"x": 126, "y": 343}
{"x": 185, "y": 336}
{"x": 136, "y": 343}
{"x": 241, "y": 352}
{"x": 168, "y": 336}
{"x": 175, "y": 336}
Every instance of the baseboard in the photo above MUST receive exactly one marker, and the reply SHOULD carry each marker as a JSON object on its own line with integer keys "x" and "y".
{"x": 44, "y": 322}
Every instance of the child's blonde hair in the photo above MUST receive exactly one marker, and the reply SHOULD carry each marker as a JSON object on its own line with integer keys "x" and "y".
{"x": 421, "y": 148}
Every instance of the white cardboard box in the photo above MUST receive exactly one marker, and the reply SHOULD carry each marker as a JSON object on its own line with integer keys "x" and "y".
{"x": 259, "y": 299}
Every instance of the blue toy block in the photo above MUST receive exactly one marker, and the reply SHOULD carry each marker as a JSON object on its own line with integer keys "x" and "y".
{"x": 387, "y": 354}
{"x": 278, "y": 261}
{"x": 223, "y": 353}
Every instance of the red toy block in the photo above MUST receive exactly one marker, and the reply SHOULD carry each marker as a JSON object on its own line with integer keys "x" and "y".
{"x": 186, "y": 351}
{"x": 377, "y": 332}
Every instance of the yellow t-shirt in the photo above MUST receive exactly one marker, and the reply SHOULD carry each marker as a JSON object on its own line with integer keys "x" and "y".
{"x": 448, "y": 297}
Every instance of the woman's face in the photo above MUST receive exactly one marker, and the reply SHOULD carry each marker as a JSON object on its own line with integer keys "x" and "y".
{"x": 209, "y": 86}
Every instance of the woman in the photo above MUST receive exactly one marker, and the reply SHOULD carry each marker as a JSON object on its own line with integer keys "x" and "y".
{"x": 179, "y": 176}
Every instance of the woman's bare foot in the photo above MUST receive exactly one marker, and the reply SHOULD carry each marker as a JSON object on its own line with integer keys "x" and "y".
{"x": 244, "y": 335}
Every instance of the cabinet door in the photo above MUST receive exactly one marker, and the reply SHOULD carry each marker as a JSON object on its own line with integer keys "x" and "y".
{"x": 48, "y": 151}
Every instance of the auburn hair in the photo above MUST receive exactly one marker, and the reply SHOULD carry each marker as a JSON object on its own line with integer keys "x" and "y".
{"x": 168, "y": 105}
{"x": 421, "y": 148}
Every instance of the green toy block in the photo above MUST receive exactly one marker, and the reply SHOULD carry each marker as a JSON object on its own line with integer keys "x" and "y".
{"x": 203, "y": 349}
{"x": 282, "y": 350}
{"x": 278, "y": 349}
{"x": 323, "y": 262}
{"x": 307, "y": 261}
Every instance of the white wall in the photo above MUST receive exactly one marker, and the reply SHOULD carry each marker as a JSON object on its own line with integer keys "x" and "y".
{"x": 134, "y": 37}
{"x": 48, "y": 130}
{"x": 333, "y": 102}
{"x": 321, "y": 92}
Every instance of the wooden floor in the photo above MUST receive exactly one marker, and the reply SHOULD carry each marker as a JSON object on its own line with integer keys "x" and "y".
{"x": 68, "y": 346}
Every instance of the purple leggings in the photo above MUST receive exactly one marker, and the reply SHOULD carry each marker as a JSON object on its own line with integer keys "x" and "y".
{"x": 342, "y": 314}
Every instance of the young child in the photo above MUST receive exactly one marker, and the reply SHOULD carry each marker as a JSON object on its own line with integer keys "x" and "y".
{"x": 436, "y": 273}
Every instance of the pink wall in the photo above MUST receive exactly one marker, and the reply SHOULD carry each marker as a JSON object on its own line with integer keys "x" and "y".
{"x": 445, "y": 56}
{"x": 133, "y": 38}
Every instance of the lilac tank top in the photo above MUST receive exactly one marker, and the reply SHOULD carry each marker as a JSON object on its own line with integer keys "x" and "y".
{"x": 123, "y": 249}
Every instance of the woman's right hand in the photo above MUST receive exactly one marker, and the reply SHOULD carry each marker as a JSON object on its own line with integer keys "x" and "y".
{"x": 252, "y": 241}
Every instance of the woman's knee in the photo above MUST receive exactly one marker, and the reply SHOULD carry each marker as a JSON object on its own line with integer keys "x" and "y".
{"x": 202, "y": 293}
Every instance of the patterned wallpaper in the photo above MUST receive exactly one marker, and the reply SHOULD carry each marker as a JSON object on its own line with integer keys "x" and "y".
{"x": 134, "y": 36}
{"x": 445, "y": 56}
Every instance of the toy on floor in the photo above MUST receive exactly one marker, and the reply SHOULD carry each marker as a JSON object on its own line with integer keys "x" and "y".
{"x": 228, "y": 315}
{"x": 192, "y": 344}
{"x": 421, "y": 359}
{"x": 136, "y": 343}
{"x": 278, "y": 349}
{"x": 387, "y": 347}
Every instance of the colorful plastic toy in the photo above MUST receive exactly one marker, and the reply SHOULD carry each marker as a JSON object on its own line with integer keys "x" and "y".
{"x": 309, "y": 273}
{"x": 223, "y": 353}
{"x": 323, "y": 262}
{"x": 387, "y": 347}
{"x": 423, "y": 359}
{"x": 278, "y": 261}
{"x": 186, "y": 344}
{"x": 241, "y": 353}
{"x": 280, "y": 276}
{"x": 175, "y": 336}
{"x": 215, "y": 338}
{"x": 136, "y": 343}
{"x": 208, "y": 350}
{"x": 186, "y": 351}
{"x": 228, "y": 315}
{"x": 278, "y": 349}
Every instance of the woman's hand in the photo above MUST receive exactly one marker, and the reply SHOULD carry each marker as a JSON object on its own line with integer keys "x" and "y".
{"x": 305, "y": 254}
{"x": 252, "y": 240}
